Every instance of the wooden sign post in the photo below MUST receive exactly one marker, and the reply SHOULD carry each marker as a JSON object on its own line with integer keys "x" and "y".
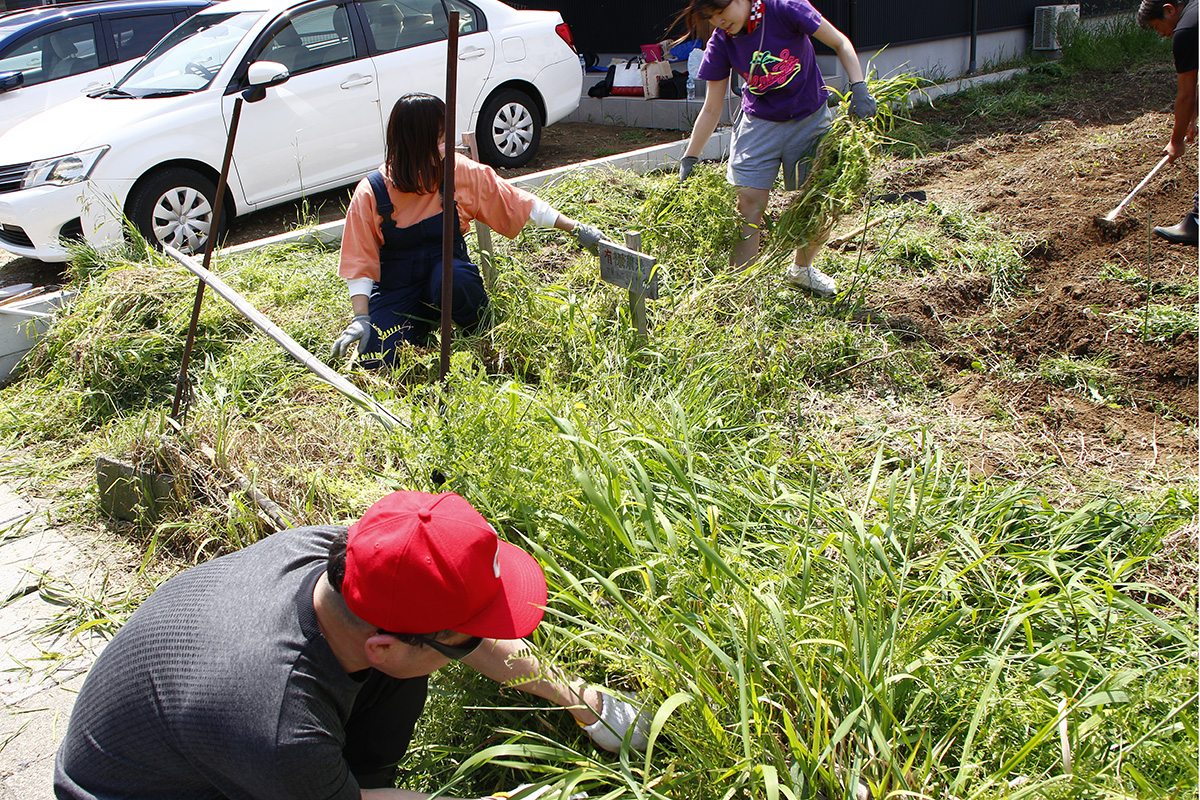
{"x": 632, "y": 270}
{"x": 483, "y": 234}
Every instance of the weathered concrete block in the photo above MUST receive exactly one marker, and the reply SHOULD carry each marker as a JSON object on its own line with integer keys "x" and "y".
{"x": 135, "y": 494}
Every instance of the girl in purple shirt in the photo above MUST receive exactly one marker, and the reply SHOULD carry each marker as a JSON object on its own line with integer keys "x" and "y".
{"x": 784, "y": 108}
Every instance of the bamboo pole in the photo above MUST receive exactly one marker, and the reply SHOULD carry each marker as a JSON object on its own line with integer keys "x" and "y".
{"x": 290, "y": 345}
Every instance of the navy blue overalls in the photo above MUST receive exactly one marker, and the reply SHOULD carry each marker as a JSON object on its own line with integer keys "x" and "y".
{"x": 406, "y": 301}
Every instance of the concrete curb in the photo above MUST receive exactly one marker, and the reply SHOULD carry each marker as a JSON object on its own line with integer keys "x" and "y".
{"x": 961, "y": 85}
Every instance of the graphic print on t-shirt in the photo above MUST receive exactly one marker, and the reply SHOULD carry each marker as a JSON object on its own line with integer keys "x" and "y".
{"x": 768, "y": 71}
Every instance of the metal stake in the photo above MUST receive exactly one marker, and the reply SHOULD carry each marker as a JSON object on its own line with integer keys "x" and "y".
{"x": 448, "y": 215}
{"x": 177, "y": 413}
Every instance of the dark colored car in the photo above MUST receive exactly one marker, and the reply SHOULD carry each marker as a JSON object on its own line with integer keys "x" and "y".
{"x": 52, "y": 54}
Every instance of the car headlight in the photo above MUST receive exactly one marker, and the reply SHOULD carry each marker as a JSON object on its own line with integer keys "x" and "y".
{"x": 63, "y": 170}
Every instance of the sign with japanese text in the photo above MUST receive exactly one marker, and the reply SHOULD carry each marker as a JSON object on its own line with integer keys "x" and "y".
{"x": 628, "y": 269}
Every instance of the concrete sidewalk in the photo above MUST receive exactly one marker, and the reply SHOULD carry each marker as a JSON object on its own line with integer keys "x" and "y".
{"x": 41, "y": 667}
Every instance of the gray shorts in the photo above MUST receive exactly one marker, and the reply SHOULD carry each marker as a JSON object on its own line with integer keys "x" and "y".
{"x": 761, "y": 146}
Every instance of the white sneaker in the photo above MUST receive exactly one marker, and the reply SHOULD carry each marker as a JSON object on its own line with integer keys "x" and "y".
{"x": 812, "y": 279}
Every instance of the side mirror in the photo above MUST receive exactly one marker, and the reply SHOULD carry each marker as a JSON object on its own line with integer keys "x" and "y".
{"x": 261, "y": 76}
{"x": 11, "y": 80}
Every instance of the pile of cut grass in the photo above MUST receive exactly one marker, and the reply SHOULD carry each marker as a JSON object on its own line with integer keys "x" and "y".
{"x": 842, "y": 166}
{"x": 796, "y": 615}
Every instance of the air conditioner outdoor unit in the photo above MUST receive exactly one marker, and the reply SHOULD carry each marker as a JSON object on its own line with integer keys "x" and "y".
{"x": 1046, "y": 25}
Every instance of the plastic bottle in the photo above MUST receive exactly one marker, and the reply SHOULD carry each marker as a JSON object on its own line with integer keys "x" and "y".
{"x": 693, "y": 64}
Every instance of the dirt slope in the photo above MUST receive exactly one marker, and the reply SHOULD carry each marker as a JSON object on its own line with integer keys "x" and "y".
{"x": 1045, "y": 177}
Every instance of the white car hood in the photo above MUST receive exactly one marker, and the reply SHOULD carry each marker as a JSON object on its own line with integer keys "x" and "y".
{"x": 84, "y": 123}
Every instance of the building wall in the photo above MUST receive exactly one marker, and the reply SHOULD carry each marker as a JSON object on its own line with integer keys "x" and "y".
{"x": 938, "y": 59}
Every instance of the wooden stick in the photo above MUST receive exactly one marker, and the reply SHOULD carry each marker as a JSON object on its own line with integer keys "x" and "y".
{"x": 841, "y": 240}
{"x": 879, "y": 357}
{"x": 448, "y": 216}
{"x": 637, "y": 302}
{"x": 483, "y": 234}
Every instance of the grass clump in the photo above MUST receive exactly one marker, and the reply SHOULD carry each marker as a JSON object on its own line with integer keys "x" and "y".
{"x": 1162, "y": 323}
{"x": 1110, "y": 45}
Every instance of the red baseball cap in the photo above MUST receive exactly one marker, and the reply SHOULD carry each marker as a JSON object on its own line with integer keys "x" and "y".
{"x": 422, "y": 563}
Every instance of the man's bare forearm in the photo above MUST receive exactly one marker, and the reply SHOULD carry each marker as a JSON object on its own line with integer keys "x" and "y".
{"x": 511, "y": 662}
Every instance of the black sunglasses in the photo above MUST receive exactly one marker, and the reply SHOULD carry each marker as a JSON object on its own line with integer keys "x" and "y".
{"x": 455, "y": 652}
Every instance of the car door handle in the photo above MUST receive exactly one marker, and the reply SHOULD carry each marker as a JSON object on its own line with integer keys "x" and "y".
{"x": 360, "y": 80}
{"x": 477, "y": 52}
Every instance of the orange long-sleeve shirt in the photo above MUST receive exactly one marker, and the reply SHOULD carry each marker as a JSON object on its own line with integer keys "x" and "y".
{"x": 479, "y": 192}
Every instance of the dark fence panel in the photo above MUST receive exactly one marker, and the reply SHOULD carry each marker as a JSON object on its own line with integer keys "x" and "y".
{"x": 613, "y": 26}
{"x": 621, "y": 26}
{"x": 874, "y": 23}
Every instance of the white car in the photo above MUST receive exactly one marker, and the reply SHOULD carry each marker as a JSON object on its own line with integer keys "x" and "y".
{"x": 52, "y": 54}
{"x": 151, "y": 147}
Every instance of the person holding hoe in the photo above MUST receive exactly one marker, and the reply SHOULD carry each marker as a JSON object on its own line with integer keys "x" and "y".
{"x": 784, "y": 108}
{"x": 391, "y": 253}
{"x": 1178, "y": 20}
{"x": 297, "y": 667}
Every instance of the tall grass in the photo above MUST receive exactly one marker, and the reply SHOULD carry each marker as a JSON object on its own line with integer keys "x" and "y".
{"x": 802, "y": 601}
{"x": 1112, "y": 44}
{"x": 795, "y": 627}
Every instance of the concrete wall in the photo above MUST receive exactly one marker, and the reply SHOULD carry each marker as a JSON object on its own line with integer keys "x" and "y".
{"x": 939, "y": 60}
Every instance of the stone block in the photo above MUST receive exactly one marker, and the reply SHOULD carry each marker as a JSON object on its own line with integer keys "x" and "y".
{"x": 135, "y": 494}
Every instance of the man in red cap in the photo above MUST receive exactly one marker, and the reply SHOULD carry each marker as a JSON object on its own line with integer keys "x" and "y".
{"x": 297, "y": 667}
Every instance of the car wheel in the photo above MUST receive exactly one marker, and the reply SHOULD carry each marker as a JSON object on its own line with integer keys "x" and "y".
{"x": 175, "y": 207}
{"x": 509, "y": 129}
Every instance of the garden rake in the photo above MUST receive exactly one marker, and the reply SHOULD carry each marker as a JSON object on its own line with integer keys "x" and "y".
{"x": 1109, "y": 220}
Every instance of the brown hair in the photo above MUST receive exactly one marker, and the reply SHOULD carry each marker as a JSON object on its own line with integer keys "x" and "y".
{"x": 413, "y": 160}
{"x": 695, "y": 17}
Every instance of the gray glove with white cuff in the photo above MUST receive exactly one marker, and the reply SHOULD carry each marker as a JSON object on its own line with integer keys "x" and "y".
{"x": 589, "y": 238}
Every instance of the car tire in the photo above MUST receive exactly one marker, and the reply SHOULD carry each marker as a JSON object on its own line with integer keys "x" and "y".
{"x": 509, "y": 129}
{"x": 175, "y": 207}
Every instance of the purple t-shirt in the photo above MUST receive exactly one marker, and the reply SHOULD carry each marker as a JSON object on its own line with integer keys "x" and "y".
{"x": 776, "y": 61}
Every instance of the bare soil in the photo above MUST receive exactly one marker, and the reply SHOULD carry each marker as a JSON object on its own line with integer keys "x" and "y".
{"x": 1045, "y": 178}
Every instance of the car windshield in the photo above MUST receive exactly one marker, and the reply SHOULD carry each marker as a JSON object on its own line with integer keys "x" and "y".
{"x": 190, "y": 57}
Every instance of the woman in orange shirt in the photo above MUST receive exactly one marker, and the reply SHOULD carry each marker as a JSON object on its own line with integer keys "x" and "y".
{"x": 392, "y": 245}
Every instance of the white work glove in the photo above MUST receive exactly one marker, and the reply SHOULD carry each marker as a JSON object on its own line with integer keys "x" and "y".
{"x": 617, "y": 715}
{"x": 357, "y": 331}
{"x": 589, "y": 238}
{"x": 541, "y": 791}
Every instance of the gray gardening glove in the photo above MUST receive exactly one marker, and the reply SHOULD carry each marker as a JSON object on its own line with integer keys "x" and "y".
{"x": 862, "y": 105}
{"x": 357, "y": 331}
{"x": 617, "y": 716}
{"x": 685, "y": 167}
{"x": 589, "y": 238}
